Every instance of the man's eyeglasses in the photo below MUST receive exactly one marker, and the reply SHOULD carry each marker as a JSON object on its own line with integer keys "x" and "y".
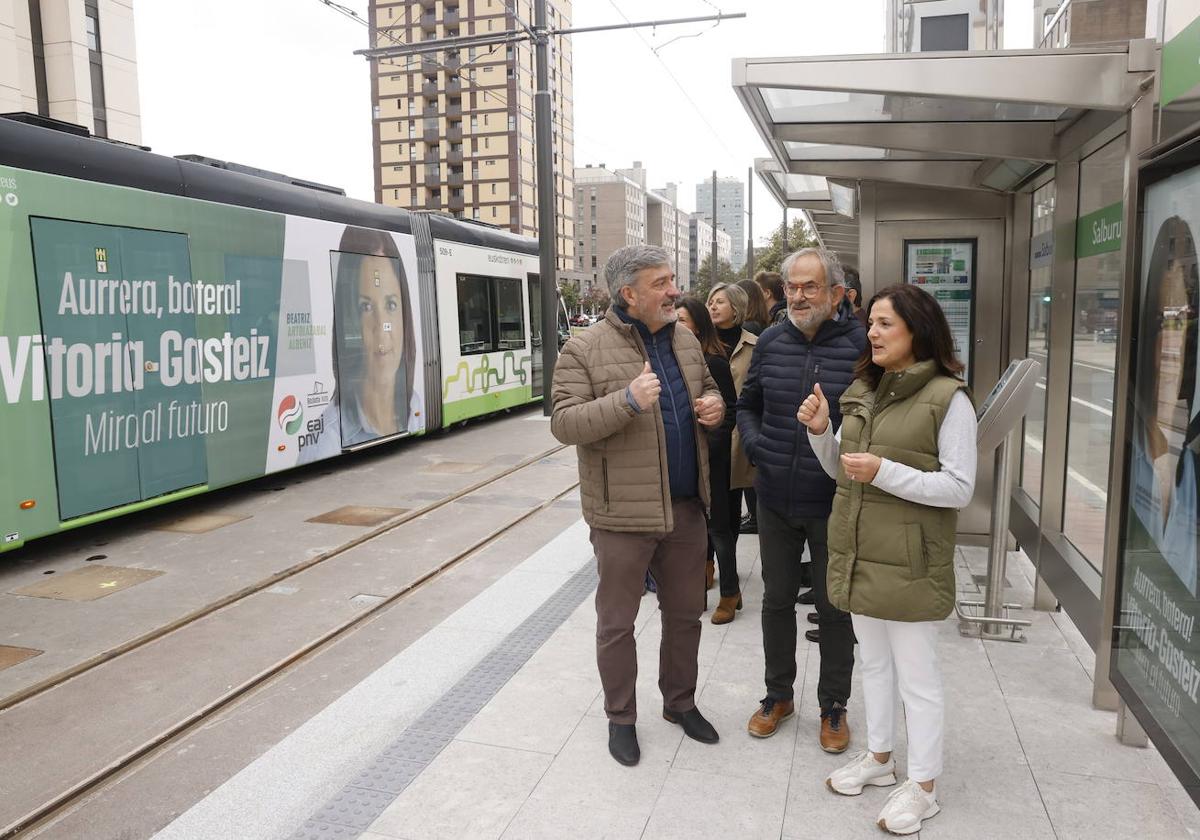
{"x": 810, "y": 290}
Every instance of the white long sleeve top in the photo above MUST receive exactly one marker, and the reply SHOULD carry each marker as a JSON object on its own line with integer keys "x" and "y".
{"x": 950, "y": 487}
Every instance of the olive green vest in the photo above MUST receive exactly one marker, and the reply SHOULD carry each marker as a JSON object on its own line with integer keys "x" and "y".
{"x": 890, "y": 558}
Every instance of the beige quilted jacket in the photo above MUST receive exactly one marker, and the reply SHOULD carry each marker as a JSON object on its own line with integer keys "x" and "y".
{"x": 622, "y": 455}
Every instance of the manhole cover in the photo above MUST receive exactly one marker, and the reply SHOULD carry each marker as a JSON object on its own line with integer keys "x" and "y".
{"x": 88, "y": 583}
{"x": 200, "y": 523}
{"x": 451, "y": 468}
{"x": 358, "y": 515}
{"x": 10, "y": 656}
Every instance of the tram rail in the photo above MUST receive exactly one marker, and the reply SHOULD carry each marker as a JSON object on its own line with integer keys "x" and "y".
{"x": 61, "y": 802}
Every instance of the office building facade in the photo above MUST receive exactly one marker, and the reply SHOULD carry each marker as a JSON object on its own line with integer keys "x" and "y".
{"x": 731, "y": 218}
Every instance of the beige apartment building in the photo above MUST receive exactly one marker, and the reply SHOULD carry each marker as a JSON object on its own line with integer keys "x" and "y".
{"x": 71, "y": 60}
{"x": 614, "y": 208}
{"x": 453, "y": 130}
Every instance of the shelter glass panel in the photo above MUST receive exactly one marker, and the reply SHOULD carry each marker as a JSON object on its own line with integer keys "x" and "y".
{"x": 1099, "y": 268}
{"x": 816, "y": 106}
{"x": 1037, "y": 337}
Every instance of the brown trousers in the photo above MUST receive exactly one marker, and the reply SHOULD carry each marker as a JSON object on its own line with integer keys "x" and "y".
{"x": 677, "y": 562}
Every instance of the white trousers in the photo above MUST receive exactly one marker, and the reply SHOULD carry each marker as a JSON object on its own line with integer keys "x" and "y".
{"x": 903, "y": 652}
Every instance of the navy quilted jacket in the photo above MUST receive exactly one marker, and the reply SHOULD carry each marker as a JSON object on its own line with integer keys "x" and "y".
{"x": 783, "y": 369}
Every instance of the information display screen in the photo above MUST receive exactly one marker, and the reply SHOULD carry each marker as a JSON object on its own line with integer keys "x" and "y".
{"x": 1157, "y": 650}
{"x": 946, "y": 269}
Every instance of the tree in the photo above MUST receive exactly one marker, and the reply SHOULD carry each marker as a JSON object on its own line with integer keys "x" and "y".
{"x": 569, "y": 293}
{"x": 702, "y": 283}
{"x": 596, "y": 299}
{"x": 769, "y": 257}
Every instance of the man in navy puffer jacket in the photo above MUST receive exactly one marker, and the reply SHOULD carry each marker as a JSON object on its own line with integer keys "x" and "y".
{"x": 815, "y": 344}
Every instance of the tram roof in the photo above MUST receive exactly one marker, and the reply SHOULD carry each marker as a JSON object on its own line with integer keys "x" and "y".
{"x": 74, "y": 155}
{"x": 979, "y": 120}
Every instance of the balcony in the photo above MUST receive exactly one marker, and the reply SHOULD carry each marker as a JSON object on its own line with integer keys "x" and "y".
{"x": 457, "y": 201}
{"x": 453, "y": 63}
{"x": 430, "y": 135}
{"x": 455, "y": 157}
{"x": 454, "y": 111}
{"x": 429, "y": 89}
{"x": 434, "y": 202}
{"x": 456, "y": 178}
{"x": 428, "y": 21}
{"x": 430, "y": 112}
{"x": 454, "y": 135}
{"x": 454, "y": 85}
{"x": 450, "y": 18}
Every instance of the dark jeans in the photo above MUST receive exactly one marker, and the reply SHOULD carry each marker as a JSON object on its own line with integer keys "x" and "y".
{"x": 782, "y": 541}
{"x": 724, "y": 518}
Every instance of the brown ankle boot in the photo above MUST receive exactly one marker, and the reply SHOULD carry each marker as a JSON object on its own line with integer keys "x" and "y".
{"x": 710, "y": 573}
{"x": 727, "y": 608}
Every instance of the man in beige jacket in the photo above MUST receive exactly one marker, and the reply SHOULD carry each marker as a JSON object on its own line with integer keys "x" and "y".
{"x": 631, "y": 393}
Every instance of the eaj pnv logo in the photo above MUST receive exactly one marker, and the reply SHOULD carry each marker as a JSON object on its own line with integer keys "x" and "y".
{"x": 290, "y": 414}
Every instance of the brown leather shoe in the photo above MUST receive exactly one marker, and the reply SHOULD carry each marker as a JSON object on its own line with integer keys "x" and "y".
{"x": 835, "y": 732}
{"x": 770, "y": 714}
{"x": 727, "y": 608}
{"x": 710, "y": 575}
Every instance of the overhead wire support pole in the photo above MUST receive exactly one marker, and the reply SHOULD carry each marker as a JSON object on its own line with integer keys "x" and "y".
{"x": 547, "y": 194}
{"x": 547, "y": 197}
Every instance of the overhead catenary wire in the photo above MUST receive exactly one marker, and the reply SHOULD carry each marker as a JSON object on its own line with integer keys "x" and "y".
{"x": 678, "y": 83}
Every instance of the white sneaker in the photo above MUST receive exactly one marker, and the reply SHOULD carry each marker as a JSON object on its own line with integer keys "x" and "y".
{"x": 862, "y": 770}
{"x": 906, "y": 807}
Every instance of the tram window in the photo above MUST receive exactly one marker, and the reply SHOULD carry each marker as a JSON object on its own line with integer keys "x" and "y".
{"x": 510, "y": 315}
{"x": 474, "y": 315}
{"x": 491, "y": 314}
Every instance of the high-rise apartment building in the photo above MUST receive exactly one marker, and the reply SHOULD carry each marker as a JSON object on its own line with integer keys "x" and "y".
{"x": 71, "y": 60}
{"x": 453, "y": 130}
{"x": 731, "y": 205}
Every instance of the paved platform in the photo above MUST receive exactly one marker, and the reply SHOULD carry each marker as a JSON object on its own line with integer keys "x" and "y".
{"x": 490, "y": 725}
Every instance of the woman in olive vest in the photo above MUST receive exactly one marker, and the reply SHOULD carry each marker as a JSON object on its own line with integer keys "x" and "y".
{"x": 907, "y": 447}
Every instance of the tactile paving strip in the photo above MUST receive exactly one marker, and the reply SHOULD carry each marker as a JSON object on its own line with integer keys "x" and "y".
{"x": 348, "y": 814}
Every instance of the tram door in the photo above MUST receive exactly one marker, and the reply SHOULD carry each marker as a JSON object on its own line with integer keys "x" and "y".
{"x": 534, "y": 288}
{"x": 113, "y": 353}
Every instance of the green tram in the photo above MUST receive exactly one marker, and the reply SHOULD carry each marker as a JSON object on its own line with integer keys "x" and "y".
{"x": 171, "y": 326}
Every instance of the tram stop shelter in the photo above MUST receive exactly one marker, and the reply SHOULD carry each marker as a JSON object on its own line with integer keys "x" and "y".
{"x": 1002, "y": 181}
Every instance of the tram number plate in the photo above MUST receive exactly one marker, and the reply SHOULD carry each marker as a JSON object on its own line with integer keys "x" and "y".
{"x": 13, "y": 537}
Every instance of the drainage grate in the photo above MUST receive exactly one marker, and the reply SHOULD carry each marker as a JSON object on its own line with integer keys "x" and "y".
{"x": 10, "y": 656}
{"x": 200, "y": 523}
{"x": 368, "y": 795}
{"x": 365, "y": 515}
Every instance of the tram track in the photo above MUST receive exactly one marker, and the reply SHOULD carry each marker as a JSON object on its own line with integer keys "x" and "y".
{"x": 62, "y": 802}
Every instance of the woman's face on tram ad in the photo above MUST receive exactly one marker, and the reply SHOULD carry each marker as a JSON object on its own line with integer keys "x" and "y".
{"x": 891, "y": 339}
{"x": 380, "y": 308}
{"x": 721, "y": 310}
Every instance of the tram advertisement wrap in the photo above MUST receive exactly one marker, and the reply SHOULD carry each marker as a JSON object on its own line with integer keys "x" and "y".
{"x": 174, "y": 344}
{"x": 1157, "y": 650}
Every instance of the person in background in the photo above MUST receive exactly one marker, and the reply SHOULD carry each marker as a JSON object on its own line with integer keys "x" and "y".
{"x": 892, "y": 533}
{"x": 757, "y": 316}
{"x": 728, "y": 305}
{"x": 632, "y": 394}
{"x": 721, "y": 520}
{"x": 816, "y": 345}
{"x": 771, "y": 283}
{"x": 854, "y": 295}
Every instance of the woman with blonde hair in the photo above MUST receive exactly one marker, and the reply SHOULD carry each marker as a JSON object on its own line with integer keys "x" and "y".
{"x": 727, "y": 306}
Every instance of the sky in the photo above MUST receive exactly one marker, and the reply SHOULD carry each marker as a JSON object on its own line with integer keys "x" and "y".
{"x": 275, "y": 84}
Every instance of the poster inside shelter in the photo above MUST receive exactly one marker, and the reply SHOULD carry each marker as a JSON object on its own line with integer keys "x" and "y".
{"x": 946, "y": 269}
{"x": 1157, "y": 650}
